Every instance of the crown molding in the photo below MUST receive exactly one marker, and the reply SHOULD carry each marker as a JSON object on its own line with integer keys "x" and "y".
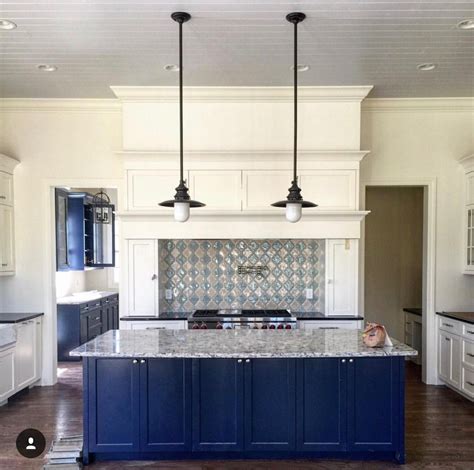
{"x": 60, "y": 105}
{"x": 241, "y": 94}
{"x": 464, "y": 104}
{"x": 8, "y": 164}
{"x": 245, "y": 155}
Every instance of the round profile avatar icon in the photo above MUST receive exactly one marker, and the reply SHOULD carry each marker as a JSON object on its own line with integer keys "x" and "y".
{"x": 30, "y": 443}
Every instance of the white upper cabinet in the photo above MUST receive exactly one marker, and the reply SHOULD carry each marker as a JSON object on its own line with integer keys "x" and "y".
{"x": 7, "y": 250}
{"x": 6, "y": 188}
{"x": 331, "y": 190}
{"x": 147, "y": 188}
{"x": 341, "y": 277}
{"x": 219, "y": 190}
{"x": 470, "y": 188}
{"x": 468, "y": 216}
{"x": 142, "y": 286}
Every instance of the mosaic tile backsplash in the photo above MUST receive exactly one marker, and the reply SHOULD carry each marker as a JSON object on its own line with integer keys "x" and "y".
{"x": 204, "y": 274}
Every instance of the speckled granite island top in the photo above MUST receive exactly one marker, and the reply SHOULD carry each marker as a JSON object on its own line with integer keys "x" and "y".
{"x": 234, "y": 344}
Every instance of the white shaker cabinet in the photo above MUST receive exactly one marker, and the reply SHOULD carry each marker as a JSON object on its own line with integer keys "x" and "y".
{"x": 7, "y": 238}
{"x": 7, "y": 373}
{"x": 342, "y": 277}
{"x": 26, "y": 354}
{"x": 450, "y": 358}
{"x": 468, "y": 215}
{"x": 142, "y": 285}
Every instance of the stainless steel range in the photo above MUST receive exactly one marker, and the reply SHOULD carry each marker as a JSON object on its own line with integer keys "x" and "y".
{"x": 249, "y": 319}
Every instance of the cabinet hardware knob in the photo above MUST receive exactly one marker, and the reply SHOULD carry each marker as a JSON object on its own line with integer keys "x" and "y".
{"x": 448, "y": 325}
{"x": 470, "y": 383}
{"x": 4, "y": 264}
{"x": 470, "y": 332}
{"x": 343, "y": 360}
{"x": 142, "y": 361}
{"x": 470, "y": 355}
{"x": 239, "y": 360}
{"x": 351, "y": 360}
{"x": 154, "y": 277}
{"x": 3, "y": 197}
{"x": 447, "y": 339}
{"x": 135, "y": 361}
{"x": 247, "y": 360}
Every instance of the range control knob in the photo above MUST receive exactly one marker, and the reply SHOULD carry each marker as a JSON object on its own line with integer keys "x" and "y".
{"x": 195, "y": 326}
{"x": 288, "y": 327}
{"x": 219, "y": 326}
{"x": 280, "y": 327}
{"x": 228, "y": 327}
{"x": 264, "y": 327}
{"x": 203, "y": 326}
{"x": 255, "y": 327}
{"x": 272, "y": 327}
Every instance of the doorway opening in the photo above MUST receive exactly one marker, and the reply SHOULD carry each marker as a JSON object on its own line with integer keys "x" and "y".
{"x": 395, "y": 263}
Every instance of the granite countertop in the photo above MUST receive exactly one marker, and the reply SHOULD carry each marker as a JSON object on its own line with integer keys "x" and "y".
{"x": 321, "y": 316}
{"x": 235, "y": 344}
{"x": 81, "y": 298}
{"x": 467, "y": 317}
{"x": 18, "y": 317}
{"x": 415, "y": 311}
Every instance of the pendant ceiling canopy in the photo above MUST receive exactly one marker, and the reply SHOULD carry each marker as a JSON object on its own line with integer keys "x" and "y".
{"x": 182, "y": 202}
{"x": 294, "y": 201}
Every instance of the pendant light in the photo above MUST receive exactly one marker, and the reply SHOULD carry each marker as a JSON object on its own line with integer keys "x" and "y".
{"x": 294, "y": 201}
{"x": 182, "y": 201}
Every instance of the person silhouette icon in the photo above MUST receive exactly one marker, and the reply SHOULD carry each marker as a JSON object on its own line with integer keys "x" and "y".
{"x": 31, "y": 445}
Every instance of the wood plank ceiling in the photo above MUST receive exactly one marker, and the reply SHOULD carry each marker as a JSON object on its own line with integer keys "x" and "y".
{"x": 95, "y": 44}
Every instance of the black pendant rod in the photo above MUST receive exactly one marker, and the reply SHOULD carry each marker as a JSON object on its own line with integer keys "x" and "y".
{"x": 181, "y": 163}
{"x": 295, "y": 104}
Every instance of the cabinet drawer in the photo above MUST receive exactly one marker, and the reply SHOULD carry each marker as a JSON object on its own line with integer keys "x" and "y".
{"x": 6, "y": 188}
{"x": 94, "y": 319}
{"x": 94, "y": 331}
{"x": 468, "y": 353}
{"x": 328, "y": 325}
{"x": 155, "y": 325}
{"x": 452, "y": 326}
{"x": 468, "y": 382}
{"x": 468, "y": 331}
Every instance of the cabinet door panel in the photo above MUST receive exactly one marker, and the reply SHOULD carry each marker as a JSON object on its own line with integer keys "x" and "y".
{"x": 374, "y": 408}
{"x": 219, "y": 190}
{"x": 341, "y": 277}
{"x": 6, "y": 188}
{"x": 25, "y": 354}
{"x": 321, "y": 404}
{"x": 217, "y": 405}
{"x": 444, "y": 359}
{"x": 7, "y": 373}
{"x": 470, "y": 188}
{"x": 113, "y": 405}
{"x": 262, "y": 188}
{"x": 456, "y": 360}
{"x": 142, "y": 282}
{"x": 7, "y": 255}
{"x": 270, "y": 404}
{"x": 165, "y": 406}
{"x": 147, "y": 188}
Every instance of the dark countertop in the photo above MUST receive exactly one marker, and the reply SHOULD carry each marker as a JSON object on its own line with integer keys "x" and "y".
{"x": 163, "y": 316}
{"x": 18, "y": 317}
{"x": 467, "y": 317}
{"x": 415, "y": 311}
{"x": 321, "y": 316}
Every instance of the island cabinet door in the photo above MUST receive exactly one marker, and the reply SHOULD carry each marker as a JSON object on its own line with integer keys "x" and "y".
{"x": 165, "y": 407}
{"x": 270, "y": 394}
{"x": 321, "y": 412}
{"x": 375, "y": 403}
{"x": 113, "y": 405}
{"x": 218, "y": 404}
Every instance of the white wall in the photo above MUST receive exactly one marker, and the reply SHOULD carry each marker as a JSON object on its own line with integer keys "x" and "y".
{"x": 68, "y": 282}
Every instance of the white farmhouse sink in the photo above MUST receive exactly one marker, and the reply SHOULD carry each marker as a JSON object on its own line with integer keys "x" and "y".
{"x": 7, "y": 335}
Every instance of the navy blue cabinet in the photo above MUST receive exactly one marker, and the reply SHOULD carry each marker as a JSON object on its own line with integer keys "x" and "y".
{"x": 270, "y": 393}
{"x": 137, "y": 405}
{"x": 375, "y": 404}
{"x": 218, "y": 399}
{"x": 321, "y": 405}
{"x": 165, "y": 407}
{"x": 113, "y": 405}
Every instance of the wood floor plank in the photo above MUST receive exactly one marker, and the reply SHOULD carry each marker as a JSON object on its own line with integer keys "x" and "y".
{"x": 439, "y": 430}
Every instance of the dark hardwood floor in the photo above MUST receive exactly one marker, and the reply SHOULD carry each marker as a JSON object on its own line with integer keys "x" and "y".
{"x": 439, "y": 430}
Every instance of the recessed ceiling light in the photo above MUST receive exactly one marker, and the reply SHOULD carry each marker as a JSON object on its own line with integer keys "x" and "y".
{"x": 426, "y": 67}
{"x": 171, "y": 68}
{"x": 466, "y": 24}
{"x": 301, "y": 67}
{"x": 47, "y": 68}
{"x": 7, "y": 24}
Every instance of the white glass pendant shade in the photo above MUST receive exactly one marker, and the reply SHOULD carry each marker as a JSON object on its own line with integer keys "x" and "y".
{"x": 181, "y": 211}
{"x": 293, "y": 212}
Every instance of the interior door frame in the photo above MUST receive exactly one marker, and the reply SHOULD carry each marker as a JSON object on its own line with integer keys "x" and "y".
{"x": 50, "y": 341}
{"x": 430, "y": 344}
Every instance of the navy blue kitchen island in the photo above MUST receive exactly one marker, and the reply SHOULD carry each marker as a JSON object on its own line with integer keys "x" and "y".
{"x": 187, "y": 394}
